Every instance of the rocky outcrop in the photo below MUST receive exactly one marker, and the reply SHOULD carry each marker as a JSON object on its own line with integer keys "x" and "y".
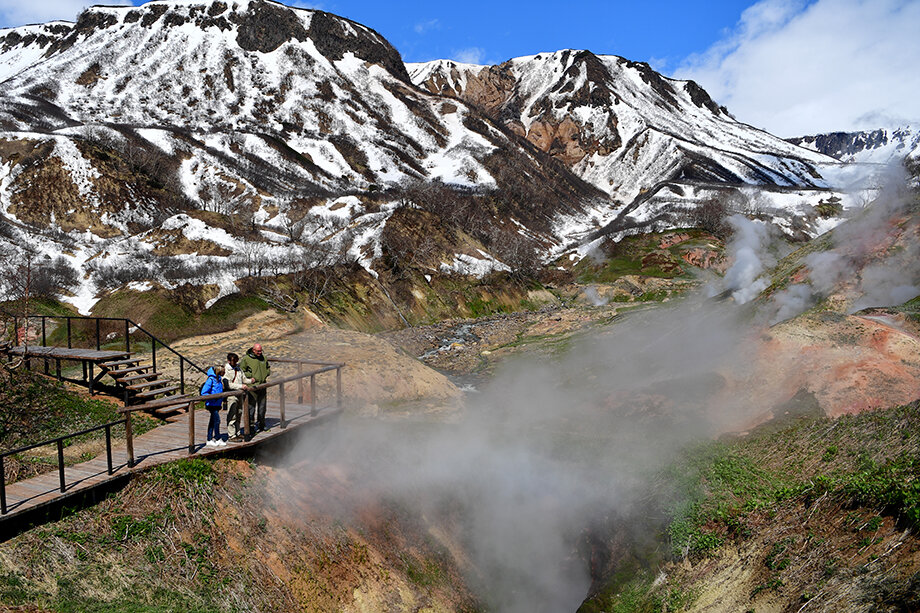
{"x": 613, "y": 121}
{"x": 878, "y": 146}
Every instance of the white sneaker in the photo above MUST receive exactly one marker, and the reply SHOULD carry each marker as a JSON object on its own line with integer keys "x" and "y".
{"x": 210, "y": 443}
{"x": 220, "y": 443}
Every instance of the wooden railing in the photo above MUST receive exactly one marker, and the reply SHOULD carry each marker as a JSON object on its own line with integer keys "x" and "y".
{"x": 130, "y": 327}
{"x": 59, "y": 441}
{"x": 244, "y": 395}
{"x": 302, "y": 392}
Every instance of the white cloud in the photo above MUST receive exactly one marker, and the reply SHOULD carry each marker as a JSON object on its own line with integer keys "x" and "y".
{"x": 425, "y": 26}
{"x": 796, "y": 68}
{"x": 472, "y": 55}
{"x": 18, "y": 12}
{"x": 313, "y": 6}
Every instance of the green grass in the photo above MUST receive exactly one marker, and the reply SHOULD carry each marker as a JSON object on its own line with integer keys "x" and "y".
{"x": 713, "y": 491}
{"x": 159, "y": 314}
{"x": 43, "y": 409}
{"x": 632, "y": 590}
{"x": 480, "y": 307}
{"x": 191, "y": 471}
{"x": 38, "y": 408}
{"x": 869, "y": 459}
{"x": 424, "y": 572}
{"x": 641, "y": 255}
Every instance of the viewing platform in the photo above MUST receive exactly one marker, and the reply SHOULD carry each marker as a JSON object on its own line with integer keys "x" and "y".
{"x": 292, "y": 403}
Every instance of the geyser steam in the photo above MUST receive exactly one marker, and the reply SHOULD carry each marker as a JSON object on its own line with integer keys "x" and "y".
{"x": 552, "y": 447}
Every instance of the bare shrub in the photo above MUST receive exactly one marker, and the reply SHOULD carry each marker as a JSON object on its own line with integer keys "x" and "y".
{"x": 26, "y": 273}
{"x": 711, "y": 216}
{"x": 519, "y": 253}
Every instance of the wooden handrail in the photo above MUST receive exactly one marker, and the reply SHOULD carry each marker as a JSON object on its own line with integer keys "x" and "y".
{"x": 59, "y": 442}
{"x": 244, "y": 396}
{"x": 128, "y": 324}
{"x": 190, "y": 401}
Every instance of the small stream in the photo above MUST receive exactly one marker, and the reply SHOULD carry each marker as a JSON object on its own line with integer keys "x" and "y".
{"x": 456, "y": 339}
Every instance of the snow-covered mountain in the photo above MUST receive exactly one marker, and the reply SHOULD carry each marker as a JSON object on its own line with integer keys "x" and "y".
{"x": 622, "y": 126}
{"x": 324, "y": 100}
{"x": 294, "y": 118}
{"x": 243, "y": 136}
{"x": 867, "y": 147}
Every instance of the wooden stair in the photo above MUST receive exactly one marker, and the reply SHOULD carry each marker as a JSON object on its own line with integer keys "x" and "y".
{"x": 141, "y": 383}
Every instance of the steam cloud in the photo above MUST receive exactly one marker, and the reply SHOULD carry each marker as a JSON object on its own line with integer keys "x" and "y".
{"x": 863, "y": 255}
{"x": 749, "y": 254}
{"x": 549, "y": 451}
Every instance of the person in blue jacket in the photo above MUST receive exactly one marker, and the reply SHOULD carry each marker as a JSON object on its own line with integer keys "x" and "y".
{"x": 214, "y": 385}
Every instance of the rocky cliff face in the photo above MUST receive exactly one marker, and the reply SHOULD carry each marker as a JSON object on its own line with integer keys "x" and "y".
{"x": 622, "y": 126}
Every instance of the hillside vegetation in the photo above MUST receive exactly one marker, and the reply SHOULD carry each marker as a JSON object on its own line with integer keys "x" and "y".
{"x": 809, "y": 515}
{"x": 35, "y": 408}
{"x": 229, "y": 535}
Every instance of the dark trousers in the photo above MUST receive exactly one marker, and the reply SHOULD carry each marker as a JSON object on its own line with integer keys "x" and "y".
{"x": 214, "y": 424}
{"x": 257, "y": 400}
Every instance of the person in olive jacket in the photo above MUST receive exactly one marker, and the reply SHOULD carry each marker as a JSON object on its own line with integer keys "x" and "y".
{"x": 256, "y": 367}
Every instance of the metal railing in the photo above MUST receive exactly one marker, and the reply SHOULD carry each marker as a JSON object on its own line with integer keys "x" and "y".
{"x": 59, "y": 441}
{"x": 130, "y": 327}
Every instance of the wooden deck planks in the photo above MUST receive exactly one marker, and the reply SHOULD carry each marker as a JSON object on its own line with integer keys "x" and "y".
{"x": 163, "y": 444}
{"x": 63, "y": 353}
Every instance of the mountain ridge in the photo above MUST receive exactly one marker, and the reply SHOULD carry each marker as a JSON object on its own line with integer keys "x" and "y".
{"x": 303, "y": 130}
{"x": 879, "y": 146}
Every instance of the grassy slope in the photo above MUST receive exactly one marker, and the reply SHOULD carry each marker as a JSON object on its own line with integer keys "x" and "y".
{"x": 815, "y": 512}
{"x": 227, "y": 535}
{"x": 36, "y": 408}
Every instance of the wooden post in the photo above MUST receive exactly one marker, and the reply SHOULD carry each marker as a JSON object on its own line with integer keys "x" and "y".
{"x": 129, "y": 440}
{"x": 108, "y": 447}
{"x": 191, "y": 428}
{"x": 84, "y": 370}
{"x": 57, "y": 368}
{"x": 154, "y": 351}
{"x": 300, "y": 383}
{"x": 91, "y": 378}
{"x": 312, "y": 394}
{"x": 60, "y": 446}
{"x": 68, "y": 334}
{"x": 181, "y": 375}
{"x": 338, "y": 387}
{"x": 281, "y": 392}
{"x": 247, "y": 432}
{"x": 44, "y": 343}
{"x": 127, "y": 338}
{"x": 2, "y": 487}
{"x": 98, "y": 337}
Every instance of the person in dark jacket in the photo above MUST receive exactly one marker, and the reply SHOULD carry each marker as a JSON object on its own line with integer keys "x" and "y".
{"x": 213, "y": 385}
{"x": 256, "y": 367}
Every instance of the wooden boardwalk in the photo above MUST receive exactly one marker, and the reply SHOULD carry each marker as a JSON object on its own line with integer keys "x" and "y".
{"x": 163, "y": 444}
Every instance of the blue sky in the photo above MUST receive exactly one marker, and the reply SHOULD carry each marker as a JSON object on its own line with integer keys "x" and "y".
{"x": 792, "y": 67}
{"x": 496, "y": 31}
